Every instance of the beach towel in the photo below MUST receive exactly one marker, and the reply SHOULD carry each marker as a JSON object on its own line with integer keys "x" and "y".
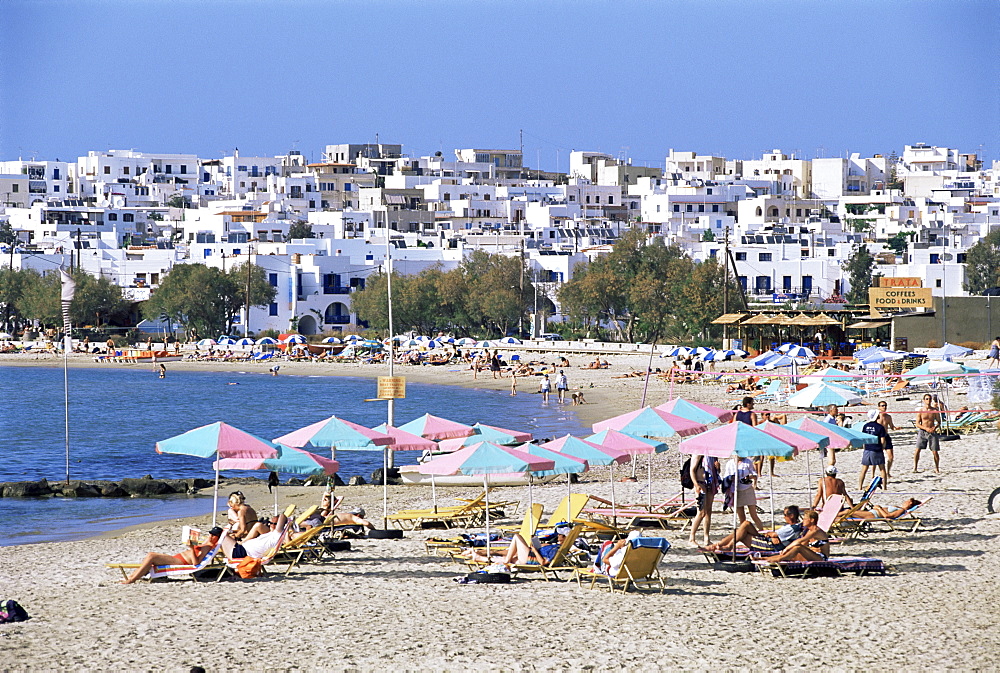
{"x": 11, "y": 611}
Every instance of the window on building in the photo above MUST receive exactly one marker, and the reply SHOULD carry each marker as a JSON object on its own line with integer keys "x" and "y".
{"x": 701, "y": 207}
{"x": 832, "y": 252}
{"x": 170, "y": 168}
{"x": 741, "y": 257}
{"x": 689, "y": 208}
{"x": 55, "y": 188}
{"x": 16, "y": 187}
{"x": 937, "y": 283}
{"x": 709, "y": 191}
{"x": 107, "y": 170}
{"x": 763, "y": 257}
{"x": 112, "y": 217}
{"x": 798, "y": 212}
{"x": 124, "y": 170}
{"x": 128, "y": 217}
{"x": 677, "y": 208}
{"x": 272, "y": 309}
{"x": 715, "y": 207}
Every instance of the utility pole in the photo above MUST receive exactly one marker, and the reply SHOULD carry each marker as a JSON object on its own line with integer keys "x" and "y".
{"x": 246, "y": 317}
{"x": 725, "y": 289}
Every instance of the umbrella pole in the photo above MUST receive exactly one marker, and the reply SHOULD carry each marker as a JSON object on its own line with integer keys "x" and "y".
{"x": 275, "y": 501}
{"x": 385, "y": 488}
{"x": 434, "y": 495}
{"x": 531, "y": 497}
{"x": 215, "y": 492}
{"x": 486, "y": 487}
{"x": 649, "y": 482}
{"x": 736, "y": 510}
{"x": 809, "y": 476}
{"x": 770, "y": 483}
{"x": 634, "y": 461}
{"x": 614, "y": 506}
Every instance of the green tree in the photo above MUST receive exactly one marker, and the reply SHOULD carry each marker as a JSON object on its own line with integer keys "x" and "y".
{"x": 7, "y": 234}
{"x": 241, "y": 279}
{"x": 11, "y": 289}
{"x": 300, "y": 230}
{"x": 898, "y": 242}
{"x": 982, "y": 264}
{"x": 96, "y": 301}
{"x": 194, "y": 295}
{"x": 860, "y": 267}
{"x": 39, "y": 298}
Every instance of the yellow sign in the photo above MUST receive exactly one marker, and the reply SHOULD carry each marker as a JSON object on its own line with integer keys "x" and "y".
{"x": 888, "y": 297}
{"x": 900, "y": 281}
{"x": 391, "y": 387}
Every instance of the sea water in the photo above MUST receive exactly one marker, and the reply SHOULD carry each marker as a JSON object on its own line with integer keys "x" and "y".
{"x": 116, "y": 416}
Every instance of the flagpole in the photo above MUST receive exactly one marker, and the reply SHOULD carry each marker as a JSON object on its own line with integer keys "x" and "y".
{"x": 66, "y": 291}
{"x": 66, "y": 346}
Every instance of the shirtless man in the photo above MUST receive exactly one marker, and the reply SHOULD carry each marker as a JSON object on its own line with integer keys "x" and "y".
{"x": 829, "y": 485}
{"x": 928, "y": 422}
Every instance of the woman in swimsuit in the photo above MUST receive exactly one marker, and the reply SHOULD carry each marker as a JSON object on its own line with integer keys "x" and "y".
{"x": 193, "y": 555}
{"x": 241, "y": 516}
{"x": 814, "y": 545}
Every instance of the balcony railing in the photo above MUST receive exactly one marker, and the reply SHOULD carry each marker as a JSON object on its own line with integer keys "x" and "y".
{"x": 338, "y": 320}
{"x": 336, "y": 290}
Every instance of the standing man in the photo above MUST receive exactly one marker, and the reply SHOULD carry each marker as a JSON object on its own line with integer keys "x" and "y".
{"x": 928, "y": 422}
{"x": 874, "y": 454}
{"x": 562, "y": 385}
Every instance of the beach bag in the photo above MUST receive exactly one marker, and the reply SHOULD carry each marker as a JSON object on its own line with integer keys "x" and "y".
{"x": 686, "y": 474}
{"x": 249, "y": 567}
{"x": 483, "y": 577}
{"x": 11, "y": 611}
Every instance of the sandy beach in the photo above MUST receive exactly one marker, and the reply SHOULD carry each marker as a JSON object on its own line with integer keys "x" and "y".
{"x": 387, "y": 604}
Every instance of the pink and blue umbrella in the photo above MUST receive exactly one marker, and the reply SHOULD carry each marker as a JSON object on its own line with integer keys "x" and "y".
{"x": 695, "y": 411}
{"x": 435, "y": 427}
{"x": 593, "y": 453}
{"x": 336, "y": 433}
{"x": 650, "y": 422}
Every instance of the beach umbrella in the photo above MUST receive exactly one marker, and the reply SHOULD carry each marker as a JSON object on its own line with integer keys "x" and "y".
{"x": 412, "y": 343}
{"x": 678, "y": 352}
{"x": 828, "y": 374}
{"x": 266, "y": 341}
{"x": 519, "y": 435}
{"x": 352, "y": 338}
{"x": 814, "y": 439}
{"x": 800, "y": 352}
{"x": 245, "y": 342}
{"x": 294, "y": 339}
{"x": 634, "y": 446}
{"x": 466, "y": 341}
{"x": 290, "y": 461}
{"x": 840, "y": 437}
{"x": 698, "y": 412}
{"x": 219, "y": 440}
{"x": 332, "y": 340}
{"x": 510, "y": 341}
{"x": 650, "y": 422}
{"x": 764, "y": 358}
{"x": 227, "y": 341}
{"x": 785, "y": 347}
{"x": 594, "y": 454}
{"x": 780, "y": 361}
{"x": 737, "y": 440}
{"x": 564, "y": 464}
{"x": 934, "y": 369}
{"x": 489, "y": 344}
{"x": 483, "y": 434}
{"x": 435, "y": 427}
{"x": 728, "y": 354}
{"x": 406, "y": 441}
{"x": 205, "y": 343}
{"x": 702, "y": 351}
{"x": 948, "y": 351}
{"x": 485, "y": 459}
{"x": 820, "y": 395}
{"x": 433, "y": 343}
{"x": 336, "y": 433}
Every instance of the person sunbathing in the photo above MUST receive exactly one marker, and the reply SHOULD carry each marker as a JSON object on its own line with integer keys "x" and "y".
{"x": 764, "y": 540}
{"x": 193, "y": 555}
{"x": 883, "y": 513}
{"x": 521, "y": 552}
{"x": 241, "y": 516}
{"x": 813, "y": 545}
{"x": 355, "y": 517}
{"x": 264, "y": 535}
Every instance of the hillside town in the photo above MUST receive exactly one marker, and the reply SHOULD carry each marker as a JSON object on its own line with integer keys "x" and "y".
{"x": 319, "y": 229}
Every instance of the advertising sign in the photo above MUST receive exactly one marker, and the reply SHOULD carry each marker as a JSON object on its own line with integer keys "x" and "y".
{"x": 888, "y": 297}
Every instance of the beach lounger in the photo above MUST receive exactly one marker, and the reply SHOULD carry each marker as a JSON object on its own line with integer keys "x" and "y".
{"x": 565, "y": 559}
{"x": 272, "y": 554}
{"x": 464, "y": 515}
{"x": 527, "y": 530}
{"x": 638, "y": 568}
{"x": 859, "y": 565}
{"x": 206, "y": 568}
{"x": 909, "y": 520}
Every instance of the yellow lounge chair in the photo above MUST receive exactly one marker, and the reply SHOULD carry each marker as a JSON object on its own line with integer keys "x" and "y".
{"x": 466, "y": 515}
{"x": 528, "y": 526}
{"x": 561, "y": 560}
{"x": 638, "y": 569}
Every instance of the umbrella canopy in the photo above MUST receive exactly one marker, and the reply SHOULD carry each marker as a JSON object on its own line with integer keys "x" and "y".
{"x": 933, "y": 369}
{"x": 219, "y": 440}
{"x": 352, "y": 337}
{"x": 797, "y": 438}
{"x": 737, "y": 439}
{"x": 764, "y": 358}
{"x": 227, "y": 341}
{"x": 510, "y": 340}
{"x": 650, "y": 422}
{"x": 483, "y": 434}
{"x": 466, "y": 341}
{"x": 488, "y": 344}
{"x": 696, "y": 411}
{"x": 336, "y": 433}
{"x": 702, "y": 351}
{"x": 800, "y": 352}
{"x": 435, "y": 427}
{"x": 679, "y": 352}
{"x": 294, "y": 339}
{"x": 821, "y": 394}
{"x": 828, "y": 374}
{"x": 593, "y": 453}
{"x": 486, "y": 458}
{"x": 245, "y": 341}
{"x": 205, "y": 343}
{"x": 406, "y": 441}
{"x": 289, "y": 460}
{"x": 564, "y": 463}
{"x": 516, "y": 434}
{"x": 840, "y": 437}
{"x": 434, "y": 343}
{"x": 630, "y": 444}
{"x": 266, "y": 341}
{"x": 948, "y": 351}
{"x": 332, "y": 340}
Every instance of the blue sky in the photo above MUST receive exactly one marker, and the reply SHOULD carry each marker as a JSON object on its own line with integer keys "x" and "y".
{"x": 626, "y": 77}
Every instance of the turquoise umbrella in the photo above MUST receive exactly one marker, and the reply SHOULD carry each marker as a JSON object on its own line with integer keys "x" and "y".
{"x": 483, "y": 434}
{"x": 290, "y": 461}
{"x": 593, "y": 453}
{"x": 564, "y": 464}
{"x": 485, "y": 458}
{"x": 822, "y": 394}
{"x": 650, "y": 422}
{"x": 634, "y": 446}
{"x": 696, "y": 411}
{"x": 840, "y": 437}
{"x": 219, "y": 440}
